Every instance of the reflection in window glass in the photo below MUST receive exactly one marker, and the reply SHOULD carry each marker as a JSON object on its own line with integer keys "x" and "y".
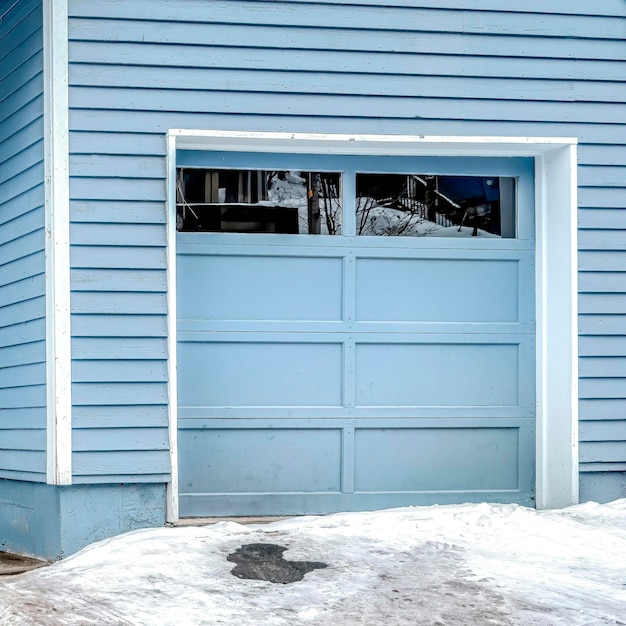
{"x": 417, "y": 205}
{"x": 258, "y": 201}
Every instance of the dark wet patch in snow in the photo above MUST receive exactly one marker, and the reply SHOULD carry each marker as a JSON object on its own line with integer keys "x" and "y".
{"x": 264, "y": 561}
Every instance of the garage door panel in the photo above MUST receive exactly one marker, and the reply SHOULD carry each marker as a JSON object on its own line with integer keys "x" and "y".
{"x": 292, "y": 460}
{"x": 437, "y": 374}
{"x": 225, "y": 374}
{"x": 273, "y": 469}
{"x": 231, "y": 287}
{"x": 436, "y": 459}
{"x": 437, "y": 290}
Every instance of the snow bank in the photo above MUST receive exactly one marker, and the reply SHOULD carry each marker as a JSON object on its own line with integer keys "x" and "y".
{"x": 464, "y": 564}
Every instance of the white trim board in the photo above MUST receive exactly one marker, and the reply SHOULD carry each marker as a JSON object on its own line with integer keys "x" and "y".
{"x": 172, "y": 486}
{"x": 555, "y": 279}
{"x": 57, "y": 243}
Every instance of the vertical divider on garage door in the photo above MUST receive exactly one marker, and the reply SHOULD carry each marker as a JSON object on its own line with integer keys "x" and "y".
{"x": 349, "y": 312}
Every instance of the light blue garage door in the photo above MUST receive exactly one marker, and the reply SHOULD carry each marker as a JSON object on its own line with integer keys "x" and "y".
{"x": 353, "y": 332}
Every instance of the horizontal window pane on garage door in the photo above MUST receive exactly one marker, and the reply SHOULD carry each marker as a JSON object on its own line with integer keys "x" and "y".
{"x": 258, "y": 201}
{"x": 425, "y": 205}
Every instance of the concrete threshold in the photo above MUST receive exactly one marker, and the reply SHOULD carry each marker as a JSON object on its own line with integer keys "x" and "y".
{"x": 12, "y": 564}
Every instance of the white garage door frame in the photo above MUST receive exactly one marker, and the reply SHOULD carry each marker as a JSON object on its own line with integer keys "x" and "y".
{"x": 555, "y": 279}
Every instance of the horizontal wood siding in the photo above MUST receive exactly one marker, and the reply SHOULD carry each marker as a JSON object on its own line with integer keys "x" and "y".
{"x": 434, "y": 67}
{"x": 22, "y": 262}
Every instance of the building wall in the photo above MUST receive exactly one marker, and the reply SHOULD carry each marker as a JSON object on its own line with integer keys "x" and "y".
{"x": 437, "y": 67}
{"x": 53, "y": 522}
{"x": 22, "y": 264}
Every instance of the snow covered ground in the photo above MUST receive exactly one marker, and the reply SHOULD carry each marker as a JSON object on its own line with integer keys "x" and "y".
{"x": 438, "y": 565}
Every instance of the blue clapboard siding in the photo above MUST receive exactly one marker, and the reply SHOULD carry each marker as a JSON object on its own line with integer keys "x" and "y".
{"x": 22, "y": 262}
{"x": 434, "y": 67}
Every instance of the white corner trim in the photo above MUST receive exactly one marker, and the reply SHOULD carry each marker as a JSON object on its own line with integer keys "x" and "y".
{"x": 172, "y": 371}
{"x": 555, "y": 256}
{"x": 57, "y": 243}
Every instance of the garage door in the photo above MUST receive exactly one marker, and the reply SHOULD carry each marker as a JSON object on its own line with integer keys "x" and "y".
{"x": 353, "y": 332}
